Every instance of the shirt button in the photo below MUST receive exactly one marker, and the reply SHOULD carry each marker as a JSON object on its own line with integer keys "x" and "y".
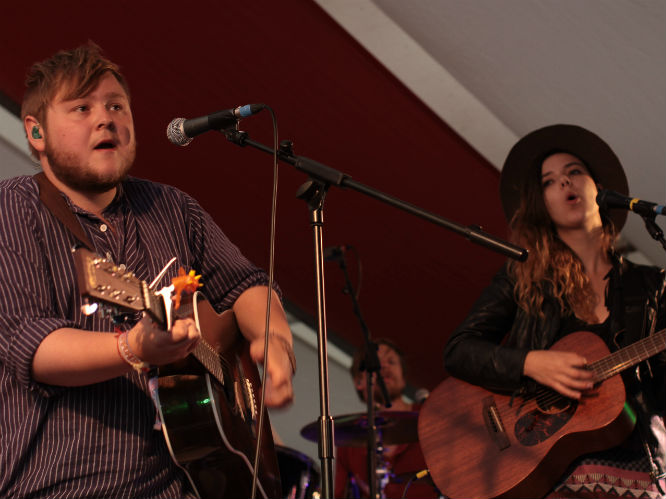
{"x": 103, "y": 227}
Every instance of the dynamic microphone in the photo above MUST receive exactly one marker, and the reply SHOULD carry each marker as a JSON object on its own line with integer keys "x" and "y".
{"x": 421, "y": 395}
{"x": 181, "y": 131}
{"x": 611, "y": 199}
{"x": 335, "y": 252}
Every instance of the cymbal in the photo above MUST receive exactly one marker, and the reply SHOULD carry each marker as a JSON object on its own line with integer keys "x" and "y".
{"x": 351, "y": 430}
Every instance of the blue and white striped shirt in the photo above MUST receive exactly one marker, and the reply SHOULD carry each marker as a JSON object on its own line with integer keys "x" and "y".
{"x": 96, "y": 440}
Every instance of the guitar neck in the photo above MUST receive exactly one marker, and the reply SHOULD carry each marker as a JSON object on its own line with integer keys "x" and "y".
{"x": 628, "y": 356}
{"x": 102, "y": 281}
{"x": 207, "y": 356}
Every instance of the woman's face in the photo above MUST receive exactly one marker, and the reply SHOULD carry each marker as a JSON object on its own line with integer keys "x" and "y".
{"x": 569, "y": 193}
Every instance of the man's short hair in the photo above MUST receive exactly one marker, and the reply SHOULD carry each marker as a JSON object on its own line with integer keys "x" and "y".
{"x": 77, "y": 72}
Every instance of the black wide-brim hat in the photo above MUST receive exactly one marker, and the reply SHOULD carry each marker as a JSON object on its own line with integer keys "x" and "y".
{"x": 602, "y": 162}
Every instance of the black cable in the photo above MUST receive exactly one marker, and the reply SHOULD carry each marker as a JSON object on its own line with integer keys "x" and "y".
{"x": 271, "y": 265}
{"x": 417, "y": 476}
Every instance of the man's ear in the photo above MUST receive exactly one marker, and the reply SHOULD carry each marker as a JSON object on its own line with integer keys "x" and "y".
{"x": 35, "y": 133}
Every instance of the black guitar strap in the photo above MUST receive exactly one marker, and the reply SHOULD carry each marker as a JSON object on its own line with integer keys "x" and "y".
{"x": 54, "y": 201}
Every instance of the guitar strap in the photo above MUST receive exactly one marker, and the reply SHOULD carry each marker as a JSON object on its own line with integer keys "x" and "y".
{"x": 57, "y": 205}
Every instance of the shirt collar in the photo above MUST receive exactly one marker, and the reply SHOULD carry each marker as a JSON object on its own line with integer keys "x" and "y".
{"x": 114, "y": 206}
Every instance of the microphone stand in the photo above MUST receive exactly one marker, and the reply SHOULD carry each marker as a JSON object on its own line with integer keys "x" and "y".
{"x": 314, "y": 192}
{"x": 370, "y": 365}
{"x": 654, "y": 230}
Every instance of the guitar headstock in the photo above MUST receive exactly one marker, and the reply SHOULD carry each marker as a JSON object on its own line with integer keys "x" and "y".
{"x": 102, "y": 281}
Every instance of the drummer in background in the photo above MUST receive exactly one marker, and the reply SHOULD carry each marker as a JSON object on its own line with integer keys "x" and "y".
{"x": 351, "y": 477}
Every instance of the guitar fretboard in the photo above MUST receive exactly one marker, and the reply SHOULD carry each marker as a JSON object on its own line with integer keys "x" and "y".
{"x": 628, "y": 356}
{"x": 210, "y": 359}
{"x": 203, "y": 351}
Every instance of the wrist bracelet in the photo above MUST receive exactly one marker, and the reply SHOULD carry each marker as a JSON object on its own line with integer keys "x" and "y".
{"x": 287, "y": 348}
{"x": 128, "y": 356}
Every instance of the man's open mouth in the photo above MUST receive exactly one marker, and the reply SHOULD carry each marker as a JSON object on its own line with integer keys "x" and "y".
{"x": 106, "y": 144}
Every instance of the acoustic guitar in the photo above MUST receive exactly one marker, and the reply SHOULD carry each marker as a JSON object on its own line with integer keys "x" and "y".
{"x": 482, "y": 444}
{"x": 209, "y": 402}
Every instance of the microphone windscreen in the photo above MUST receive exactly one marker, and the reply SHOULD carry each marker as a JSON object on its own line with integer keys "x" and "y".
{"x": 421, "y": 395}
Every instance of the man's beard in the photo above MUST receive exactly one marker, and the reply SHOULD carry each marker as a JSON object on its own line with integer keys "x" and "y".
{"x": 83, "y": 178}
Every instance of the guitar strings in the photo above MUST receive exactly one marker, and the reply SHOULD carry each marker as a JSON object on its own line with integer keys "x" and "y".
{"x": 603, "y": 369}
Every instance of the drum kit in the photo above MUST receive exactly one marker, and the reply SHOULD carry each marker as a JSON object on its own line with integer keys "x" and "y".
{"x": 300, "y": 475}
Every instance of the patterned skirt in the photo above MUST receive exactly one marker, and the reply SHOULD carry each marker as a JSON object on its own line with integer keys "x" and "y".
{"x": 612, "y": 473}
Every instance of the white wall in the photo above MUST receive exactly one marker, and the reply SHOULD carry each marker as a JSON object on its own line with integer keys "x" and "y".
{"x": 14, "y": 154}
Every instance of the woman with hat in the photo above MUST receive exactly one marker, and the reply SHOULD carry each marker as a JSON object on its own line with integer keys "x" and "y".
{"x": 572, "y": 281}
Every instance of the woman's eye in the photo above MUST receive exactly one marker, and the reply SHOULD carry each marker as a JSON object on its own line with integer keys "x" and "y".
{"x": 546, "y": 183}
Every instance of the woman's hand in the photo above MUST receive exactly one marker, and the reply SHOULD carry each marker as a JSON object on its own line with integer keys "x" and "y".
{"x": 562, "y": 371}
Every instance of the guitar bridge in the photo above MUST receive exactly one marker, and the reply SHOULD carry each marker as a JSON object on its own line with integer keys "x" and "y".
{"x": 251, "y": 399}
{"x": 494, "y": 424}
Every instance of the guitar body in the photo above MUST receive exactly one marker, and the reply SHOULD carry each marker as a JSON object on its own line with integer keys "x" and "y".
{"x": 477, "y": 444}
{"x": 209, "y": 401}
{"x": 211, "y": 428}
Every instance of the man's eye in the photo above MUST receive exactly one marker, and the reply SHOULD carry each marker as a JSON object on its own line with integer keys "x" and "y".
{"x": 80, "y": 109}
{"x": 116, "y": 107}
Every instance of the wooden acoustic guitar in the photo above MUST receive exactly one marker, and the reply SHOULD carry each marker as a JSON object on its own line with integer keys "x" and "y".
{"x": 209, "y": 402}
{"x": 482, "y": 444}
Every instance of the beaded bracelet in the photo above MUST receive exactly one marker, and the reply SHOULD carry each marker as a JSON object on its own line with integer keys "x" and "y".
{"x": 128, "y": 356}
{"x": 287, "y": 348}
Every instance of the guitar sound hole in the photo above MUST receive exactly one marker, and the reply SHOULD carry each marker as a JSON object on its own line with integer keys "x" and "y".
{"x": 551, "y": 402}
{"x": 228, "y": 387}
{"x": 540, "y": 424}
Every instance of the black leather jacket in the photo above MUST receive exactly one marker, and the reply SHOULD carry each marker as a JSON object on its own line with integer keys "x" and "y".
{"x": 490, "y": 346}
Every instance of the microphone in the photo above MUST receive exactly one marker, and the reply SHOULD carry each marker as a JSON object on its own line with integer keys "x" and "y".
{"x": 421, "y": 395}
{"x": 181, "y": 131}
{"x": 335, "y": 252}
{"x": 611, "y": 199}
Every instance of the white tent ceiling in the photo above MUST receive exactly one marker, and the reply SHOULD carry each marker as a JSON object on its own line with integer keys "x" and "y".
{"x": 497, "y": 69}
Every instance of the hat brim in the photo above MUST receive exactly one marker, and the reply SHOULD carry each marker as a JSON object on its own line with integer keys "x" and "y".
{"x": 597, "y": 155}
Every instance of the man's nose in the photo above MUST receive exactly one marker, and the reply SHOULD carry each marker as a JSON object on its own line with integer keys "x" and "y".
{"x": 105, "y": 119}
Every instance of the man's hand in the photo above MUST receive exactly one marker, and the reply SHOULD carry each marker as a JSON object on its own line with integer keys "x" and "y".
{"x": 250, "y": 311}
{"x": 562, "y": 371}
{"x": 279, "y": 389}
{"x": 158, "y": 347}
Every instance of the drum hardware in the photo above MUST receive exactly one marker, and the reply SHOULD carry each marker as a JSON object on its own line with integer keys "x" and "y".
{"x": 299, "y": 474}
{"x": 396, "y": 427}
{"x": 351, "y": 430}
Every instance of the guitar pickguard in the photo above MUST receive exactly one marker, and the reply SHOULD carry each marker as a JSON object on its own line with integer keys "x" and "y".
{"x": 538, "y": 425}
